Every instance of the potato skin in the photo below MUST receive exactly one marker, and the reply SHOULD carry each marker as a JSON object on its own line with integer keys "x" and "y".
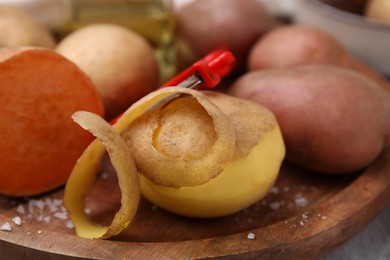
{"x": 204, "y": 25}
{"x": 295, "y": 45}
{"x": 379, "y": 10}
{"x": 333, "y": 120}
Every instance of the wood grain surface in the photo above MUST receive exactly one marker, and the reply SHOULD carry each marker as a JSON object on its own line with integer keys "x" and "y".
{"x": 306, "y": 215}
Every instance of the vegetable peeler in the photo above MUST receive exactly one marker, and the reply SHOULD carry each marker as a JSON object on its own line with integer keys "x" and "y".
{"x": 205, "y": 73}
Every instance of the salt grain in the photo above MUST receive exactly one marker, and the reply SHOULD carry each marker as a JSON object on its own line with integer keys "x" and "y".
{"x": 69, "y": 224}
{"x": 251, "y": 235}
{"x": 104, "y": 175}
{"x": 39, "y": 231}
{"x": 274, "y": 190}
{"x": 61, "y": 215}
{"x": 6, "y": 227}
{"x": 17, "y": 220}
{"x": 300, "y": 201}
{"x": 47, "y": 219}
{"x": 20, "y": 209}
{"x": 274, "y": 205}
{"x": 39, "y": 217}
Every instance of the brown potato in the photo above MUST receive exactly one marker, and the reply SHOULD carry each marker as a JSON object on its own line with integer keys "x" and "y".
{"x": 19, "y": 29}
{"x": 295, "y": 45}
{"x": 334, "y": 120}
{"x": 120, "y": 62}
{"x": 378, "y": 10}
{"x": 204, "y": 25}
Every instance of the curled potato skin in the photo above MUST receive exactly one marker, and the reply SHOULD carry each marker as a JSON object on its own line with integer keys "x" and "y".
{"x": 166, "y": 169}
{"x": 85, "y": 171}
{"x": 162, "y": 168}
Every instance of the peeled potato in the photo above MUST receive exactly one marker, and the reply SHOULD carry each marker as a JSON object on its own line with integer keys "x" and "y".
{"x": 119, "y": 61}
{"x": 229, "y": 157}
{"x": 183, "y": 132}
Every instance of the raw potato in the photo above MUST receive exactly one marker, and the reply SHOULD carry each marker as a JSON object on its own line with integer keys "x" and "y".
{"x": 182, "y": 131}
{"x": 19, "y": 29}
{"x": 119, "y": 61}
{"x": 205, "y": 25}
{"x": 379, "y": 10}
{"x": 39, "y": 144}
{"x": 333, "y": 120}
{"x": 296, "y": 45}
{"x": 250, "y": 155}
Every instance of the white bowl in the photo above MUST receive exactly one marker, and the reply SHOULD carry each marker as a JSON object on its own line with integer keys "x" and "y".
{"x": 366, "y": 39}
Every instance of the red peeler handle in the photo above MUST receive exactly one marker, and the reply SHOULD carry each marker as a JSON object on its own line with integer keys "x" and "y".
{"x": 210, "y": 69}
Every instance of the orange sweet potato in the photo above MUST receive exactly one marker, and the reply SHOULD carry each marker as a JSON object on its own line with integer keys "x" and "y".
{"x": 39, "y": 142}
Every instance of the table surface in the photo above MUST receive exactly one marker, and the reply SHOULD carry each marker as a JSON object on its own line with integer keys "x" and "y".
{"x": 372, "y": 242}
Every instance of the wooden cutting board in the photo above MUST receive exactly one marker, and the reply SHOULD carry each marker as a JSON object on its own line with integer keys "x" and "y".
{"x": 306, "y": 215}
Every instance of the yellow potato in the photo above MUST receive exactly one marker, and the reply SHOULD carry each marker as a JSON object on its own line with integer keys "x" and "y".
{"x": 183, "y": 131}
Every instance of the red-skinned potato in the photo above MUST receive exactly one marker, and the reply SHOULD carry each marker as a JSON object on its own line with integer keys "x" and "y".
{"x": 333, "y": 120}
{"x": 204, "y": 25}
{"x": 295, "y": 45}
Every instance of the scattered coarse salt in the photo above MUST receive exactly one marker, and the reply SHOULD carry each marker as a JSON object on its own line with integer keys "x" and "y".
{"x": 17, "y": 220}
{"x": 6, "y": 227}
{"x": 39, "y": 231}
{"x": 251, "y": 235}
{"x": 323, "y": 217}
{"x": 53, "y": 204}
{"x": 87, "y": 211}
{"x": 286, "y": 189}
{"x": 35, "y": 203}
